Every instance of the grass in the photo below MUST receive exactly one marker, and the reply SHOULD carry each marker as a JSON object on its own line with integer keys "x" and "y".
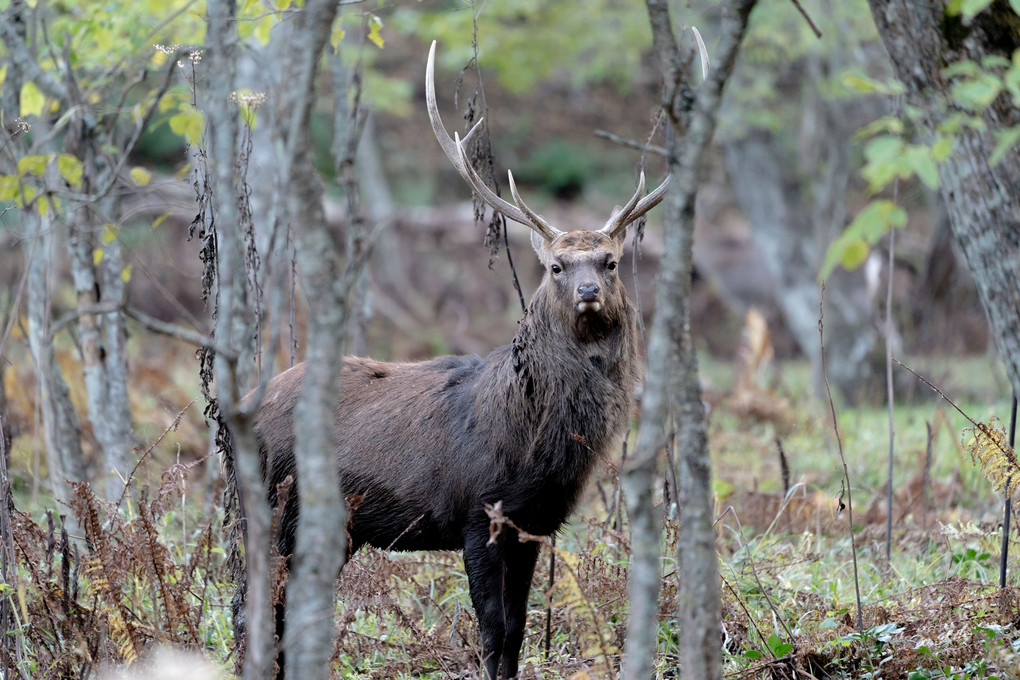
{"x": 932, "y": 611}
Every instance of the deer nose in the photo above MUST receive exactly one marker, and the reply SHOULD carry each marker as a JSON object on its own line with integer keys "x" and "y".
{"x": 588, "y": 292}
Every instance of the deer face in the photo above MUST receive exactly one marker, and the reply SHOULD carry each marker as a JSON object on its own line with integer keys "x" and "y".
{"x": 582, "y": 266}
{"x": 581, "y": 286}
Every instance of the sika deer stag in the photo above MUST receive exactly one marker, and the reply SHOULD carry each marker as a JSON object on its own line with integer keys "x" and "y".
{"x": 426, "y": 446}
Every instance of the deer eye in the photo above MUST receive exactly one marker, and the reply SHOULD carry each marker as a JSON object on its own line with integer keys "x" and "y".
{"x": 556, "y": 269}
{"x": 611, "y": 266}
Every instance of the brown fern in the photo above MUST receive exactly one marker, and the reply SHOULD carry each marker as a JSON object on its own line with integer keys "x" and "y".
{"x": 989, "y": 449}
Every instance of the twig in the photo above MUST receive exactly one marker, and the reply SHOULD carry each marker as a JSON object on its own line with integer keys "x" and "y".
{"x": 754, "y": 573}
{"x": 803, "y": 13}
{"x": 889, "y": 382}
{"x": 750, "y": 618}
{"x": 784, "y": 467}
{"x": 1007, "y": 508}
{"x": 842, "y": 457}
{"x": 145, "y": 454}
{"x": 926, "y": 479}
{"x": 632, "y": 143}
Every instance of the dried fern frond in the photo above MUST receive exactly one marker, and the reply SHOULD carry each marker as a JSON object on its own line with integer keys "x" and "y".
{"x": 987, "y": 445}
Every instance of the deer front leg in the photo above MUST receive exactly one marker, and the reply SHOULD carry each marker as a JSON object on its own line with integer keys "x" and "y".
{"x": 484, "y": 566}
{"x": 519, "y": 560}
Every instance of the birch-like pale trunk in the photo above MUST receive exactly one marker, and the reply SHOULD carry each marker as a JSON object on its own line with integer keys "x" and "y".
{"x": 103, "y": 342}
{"x": 672, "y": 394}
{"x": 234, "y": 332}
{"x": 61, "y": 432}
{"x": 982, "y": 198}
{"x": 320, "y": 545}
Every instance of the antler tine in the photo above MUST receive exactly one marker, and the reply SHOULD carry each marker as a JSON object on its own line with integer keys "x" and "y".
{"x": 544, "y": 227}
{"x": 620, "y": 221}
{"x": 620, "y": 218}
{"x": 525, "y": 216}
{"x": 454, "y": 149}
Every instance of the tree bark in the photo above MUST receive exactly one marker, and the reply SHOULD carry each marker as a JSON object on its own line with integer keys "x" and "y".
{"x": 61, "y": 432}
{"x": 234, "y": 332}
{"x": 321, "y": 542}
{"x": 982, "y": 199}
{"x": 672, "y": 394}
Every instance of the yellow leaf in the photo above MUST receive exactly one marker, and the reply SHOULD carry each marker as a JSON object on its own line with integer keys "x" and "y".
{"x": 374, "y": 34}
{"x": 97, "y": 256}
{"x": 8, "y": 187}
{"x": 33, "y": 165}
{"x": 337, "y": 35}
{"x": 3, "y": 74}
{"x": 43, "y": 207}
{"x": 140, "y": 176}
{"x": 70, "y": 169}
{"x": 855, "y": 254}
{"x": 160, "y": 220}
{"x": 109, "y": 233}
{"x": 125, "y": 274}
{"x": 262, "y": 28}
{"x": 32, "y": 100}
{"x": 189, "y": 123}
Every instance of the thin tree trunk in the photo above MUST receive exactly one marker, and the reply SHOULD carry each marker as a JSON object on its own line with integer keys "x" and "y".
{"x": 672, "y": 386}
{"x": 103, "y": 350}
{"x": 982, "y": 199}
{"x": 61, "y": 432}
{"x": 234, "y": 331}
{"x": 320, "y": 545}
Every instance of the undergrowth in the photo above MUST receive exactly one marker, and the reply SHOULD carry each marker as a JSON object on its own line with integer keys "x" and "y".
{"x": 109, "y": 585}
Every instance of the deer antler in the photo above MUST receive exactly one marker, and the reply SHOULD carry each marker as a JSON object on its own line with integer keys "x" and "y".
{"x": 454, "y": 149}
{"x": 635, "y": 208}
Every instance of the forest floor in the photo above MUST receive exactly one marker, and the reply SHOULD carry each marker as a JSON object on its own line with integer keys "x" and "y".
{"x": 790, "y": 570}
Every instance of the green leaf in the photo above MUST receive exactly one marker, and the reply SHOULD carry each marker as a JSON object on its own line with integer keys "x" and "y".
{"x": 941, "y": 149}
{"x": 752, "y": 654}
{"x": 70, "y": 169}
{"x": 971, "y": 8}
{"x": 875, "y": 220}
{"x": 32, "y": 100}
{"x": 852, "y": 247}
{"x": 964, "y": 67}
{"x": 33, "y": 165}
{"x": 778, "y": 647}
{"x": 977, "y": 93}
{"x": 188, "y": 123}
{"x": 919, "y": 160}
{"x": 1007, "y": 139}
{"x": 862, "y": 83}
{"x": 375, "y": 26}
{"x": 890, "y": 124}
{"x": 140, "y": 176}
{"x": 1015, "y": 4}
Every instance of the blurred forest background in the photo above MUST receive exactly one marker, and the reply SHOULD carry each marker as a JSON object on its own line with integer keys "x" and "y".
{"x": 816, "y": 159}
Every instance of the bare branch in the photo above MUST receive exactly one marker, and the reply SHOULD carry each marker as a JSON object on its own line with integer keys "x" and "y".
{"x": 631, "y": 143}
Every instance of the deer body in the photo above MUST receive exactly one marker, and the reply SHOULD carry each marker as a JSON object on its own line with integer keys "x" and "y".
{"x": 423, "y": 447}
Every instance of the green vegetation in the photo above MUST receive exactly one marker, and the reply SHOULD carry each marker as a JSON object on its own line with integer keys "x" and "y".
{"x": 156, "y": 572}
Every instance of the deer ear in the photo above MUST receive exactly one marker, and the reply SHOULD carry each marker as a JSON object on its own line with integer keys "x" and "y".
{"x": 541, "y": 246}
